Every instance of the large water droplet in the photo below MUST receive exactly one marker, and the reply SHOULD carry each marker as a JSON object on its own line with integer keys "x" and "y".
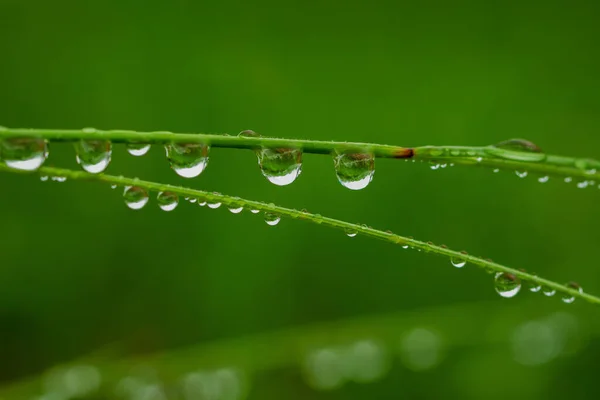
{"x": 517, "y": 149}
{"x": 93, "y": 155}
{"x": 254, "y": 211}
{"x": 354, "y": 171}
{"x": 188, "y": 159}
{"x": 458, "y": 262}
{"x": 548, "y": 291}
{"x": 167, "y": 201}
{"x": 567, "y": 298}
{"x": 135, "y": 197}
{"x": 272, "y": 219}
{"x": 26, "y": 154}
{"x": 214, "y": 205}
{"x": 507, "y": 285}
{"x": 280, "y": 166}
{"x": 138, "y": 149}
{"x": 236, "y": 210}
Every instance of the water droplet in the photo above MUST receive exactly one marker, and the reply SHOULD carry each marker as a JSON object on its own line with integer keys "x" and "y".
{"x": 543, "y": 179}
{"x": 167, "y": 201}
{"x": 254, "y": 211}
{"x": 201, "y": 203}
{"x": 135, "y": 197}
{"x": 138, "y": 149}
{"x": 568, "y": 179}
{"x": 517, "y": 149}
{"x": 458, "y": 262}
{"x": 89, "y": 130}
{"x": 93, "y": 155}
{"x": 248, "y": 134}
{"x": 521, "y": 174}
{"x": 351, "y": 232}
{"x": 507, "y": 285}
{"x": 549, "y": 292}
{"x": 567, "y": 298}
{"x": 433, "y": 165}
{"x": 44, "y": 178}
{"x": 405, "y": 246}
{"x": 236, "y": 210}
{"x": 59, "y": 179}
{"x": 26, "y": 154}
{"x": 214, "y": 205}
{"x": 534, "y": 287}
{"x": 272, "y": 219}
{"x": 113, "y": 186}
{"x": 479, "y": 159}
{"x": 188, "y": 159}
{"x": 280, "y": 166}
{"x": 192, "y": 200}
{"x": 354, "y": 171}
{"x": 496, "y": 170}
{"x": 582, "y": 185}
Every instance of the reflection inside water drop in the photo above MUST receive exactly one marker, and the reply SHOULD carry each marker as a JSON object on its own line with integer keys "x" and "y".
{"x": 26, "y": 154}
{"x": 280, "y": 166}
{"x": 458, "y": 262}
{"x": 567, "y": 298}
{"x": 272, "y": 219}
{"x": 187, "y": 159}
{"x": 93, "y": 155}
{"x": 236, "y": 210}
{"x": 507, "y": 285}
{"x": 354, "y": 171}
{"x": 167, "y": 201}
{"x": 135, "y": 197}
{"x": 137, "y": 149}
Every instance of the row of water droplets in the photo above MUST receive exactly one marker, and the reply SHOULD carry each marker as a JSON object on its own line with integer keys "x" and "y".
{"x": 137, "y": 197}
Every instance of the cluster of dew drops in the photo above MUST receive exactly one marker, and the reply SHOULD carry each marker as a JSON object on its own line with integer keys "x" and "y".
{"x": 280, "y": 166}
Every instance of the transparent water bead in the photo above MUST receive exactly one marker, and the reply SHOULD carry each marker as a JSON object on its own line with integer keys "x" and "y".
{"x": 214, "y": 205}
{"x": 135, "y": 197}
{"x": 26, "y": 154}
{"x": 113, "y": 186}
{"x": 569, "y": 298}
{"x": 458, "y": 262}
{"x": 351, "y": 233}
{"x": 93, "y": 155}
{"x": 236, "y": 210}
{"x": 507, "y": 285}
{"x": 59, "y": 179}
{"x": 534, "y": 287}
{"x": 44, "y": 178}
{"x": 543, "y": 179}
{"x": 254, "y": 211}
{"x": 272, "y": 219}
{"x": 137, "y": 149}
{"x": 188, "y": 159}
{"x": 354, "y": 171}
{"x": 517, "y": 150}
{"x": 548, "y": 291}
{"x": 201, "y": 203}
{"x": 521, "y": 174}
{"x": 167, "y": 201}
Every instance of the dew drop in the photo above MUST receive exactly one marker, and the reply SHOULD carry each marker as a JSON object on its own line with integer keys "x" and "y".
{"x": 188, "y": 159}
{"x": 434, "y": 166}
{"x": 280, "y": 166}
{"x": 167, "y": 201}
{"x": 254, "y": 211}
{"x": 405, "y": 246}
{"x": 351, "y": 233}
{"x": 521, "y": 174}
{"x": 543, "y": 179}
{"x": 113, "y": 186}
{"x": 507, "y": 285}
{"x": 354, "y": 171}
{"x": 496, "y": 170}
{"x": 272, "y": 219}
{"x": 93, "y": 155}
{"x": 549, "y": 292}
{"x": 192, "y": 200}
{"x": 516, "y": 149}
{"x": 135, "y": 197}
{"x": 236, "y": 210}
{"x": 214, "y": 205}
{"x": 59, "y": 179}
{"x": 26, "y": 154}
{"x": 567, "y": 298}
{"x": 582, "y": 185}
{"x": 458, "y": 262}
{"x": 138, "y": 149}
{"x": 568, "y": 179}
{"x": 534, "y": 287}
{"x": 44, "y": 178}
{"x": 201, "y": 203}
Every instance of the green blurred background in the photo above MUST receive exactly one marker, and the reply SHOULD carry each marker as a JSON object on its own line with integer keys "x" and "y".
{"x": 79, "y": 271}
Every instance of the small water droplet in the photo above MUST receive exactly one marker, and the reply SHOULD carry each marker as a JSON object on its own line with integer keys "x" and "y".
{"x": 582, "y": 185}
{"x": 521, "y": 174}
{"x": 93, "y": 155}
{"x": 167, "y": 201}
{"x": 248, "y": 134}
{"x": 479, "y": 159}
{"x": 201, "y": 203}
{"x": 26, "y": 154}
{"x": 549, "y": 292}
{"x": 272, "y": 219}
{"x": 214, "y": 205}
{"x": 59, "y": 179}
{"x": 44, "y": 178}
{"x": 405, "y": 246}
{"x": 138, "y": 149}
{"x": 89, "y": 130}
{"x": 236, "y": 210}
{"x": 517, "y": 149}
{"x": 568, "y": 179}
{"x": 534, "y": 287}
{"x": 543, "y": 179}
{"x": 496, "y": 170}
{"x": 567, "y": 298}
{"x": 351, "y": 232}
{"x": 354, "y": 171}
{"x": 507, "y": 285}
{"x": 113, "y": 186}
{"x": 192, "y": 200}
{"x": 280, "y": 166}
{"x": 458, "y": 262}
{"x": 187, "y": 159}
{"x": 135, "y": 197}
{"x": 254, "y": 211}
